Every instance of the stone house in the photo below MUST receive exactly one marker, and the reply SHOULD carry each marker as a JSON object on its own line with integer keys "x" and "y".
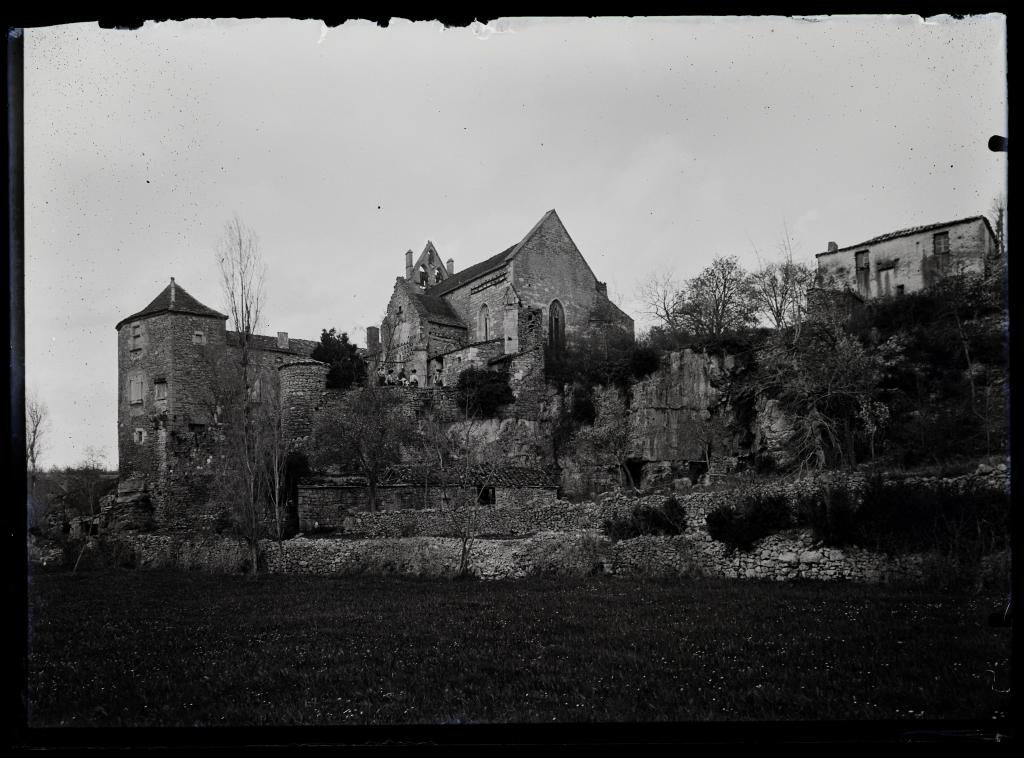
{"x": 910, "y": 260}
{"x": 539, "y": 290}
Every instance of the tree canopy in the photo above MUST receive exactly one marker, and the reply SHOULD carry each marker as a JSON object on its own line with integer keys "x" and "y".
{"x": 347, "y": 368}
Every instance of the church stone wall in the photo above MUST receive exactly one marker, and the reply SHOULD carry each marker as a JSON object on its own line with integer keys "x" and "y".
{"x": 549, "y": 267}
{"x": 487, "y": 290}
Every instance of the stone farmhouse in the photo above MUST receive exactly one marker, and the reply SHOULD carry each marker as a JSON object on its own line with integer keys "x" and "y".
{"x": 499, "y": 314}
{"x": 910, "y": 260}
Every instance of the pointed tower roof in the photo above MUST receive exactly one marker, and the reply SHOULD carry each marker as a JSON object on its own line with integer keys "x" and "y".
{"x": 175, "y": 299}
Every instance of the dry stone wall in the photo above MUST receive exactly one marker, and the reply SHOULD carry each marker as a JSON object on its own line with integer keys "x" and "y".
{"x": 561, "y": 539}
{"x": 559, "y": 553}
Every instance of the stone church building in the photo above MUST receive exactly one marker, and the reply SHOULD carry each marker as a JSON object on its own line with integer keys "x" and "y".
{"x": 440, "y": 321}
{"x": 498, "y": 314}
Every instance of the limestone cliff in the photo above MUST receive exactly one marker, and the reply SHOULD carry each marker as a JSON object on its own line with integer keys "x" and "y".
{"x": 683, "y": 408}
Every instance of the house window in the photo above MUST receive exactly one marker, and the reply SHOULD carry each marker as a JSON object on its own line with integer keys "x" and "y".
{"x": 198, "y": 337}
{"x": 486, "y": 496}
{"x": 556, "y": 327}
{"x": 136, "y": 336}
{"x": 484, "y": 327}
{"x": 160, "y": 388}
{"x": 139, "y": 436}
{"x": 940, "y": 245}
{"x": 135, "y": 389}
{"x": 863, "y": 263}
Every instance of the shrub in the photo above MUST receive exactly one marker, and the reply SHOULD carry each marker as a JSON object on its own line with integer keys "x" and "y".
{"x": 758, "y": 515}
{"x": 831, "y": 515}
{"x": 482, "y": 392}
{"x": 669, "y": 519}
{"x": 570, "y": 556}
{"x": 899, "y": 517}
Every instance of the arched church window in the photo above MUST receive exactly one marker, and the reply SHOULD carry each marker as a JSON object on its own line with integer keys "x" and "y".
{"x": 437, "y": 276}
{"x": 422, "y": 276}
{"x": 556, "y": 327}
{"x": 485, "y": 323}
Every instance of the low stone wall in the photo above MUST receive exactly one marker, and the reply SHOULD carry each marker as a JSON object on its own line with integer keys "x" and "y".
{"x": 525, "y": 512}
{"x": 581, "y": 552}
{"x": 560, "y": 538}
{"x": 780, "y": 557}
{"x": 401, "y": 512}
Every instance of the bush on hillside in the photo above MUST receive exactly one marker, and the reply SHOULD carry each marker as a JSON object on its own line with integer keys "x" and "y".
{"x": 757, "y": 515}
{"x": 666, "y": 520}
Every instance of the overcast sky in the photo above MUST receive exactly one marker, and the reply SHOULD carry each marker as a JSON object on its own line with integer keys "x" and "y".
{"x": 661, "y": 143}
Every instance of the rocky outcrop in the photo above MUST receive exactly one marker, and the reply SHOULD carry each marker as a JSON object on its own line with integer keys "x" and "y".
{"x": 772, "y": 429}
{"x": 677, "y": 409}
{"x": 130, "y": 510}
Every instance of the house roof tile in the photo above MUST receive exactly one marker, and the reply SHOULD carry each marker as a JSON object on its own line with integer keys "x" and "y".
{"x": 268, "y": 343}
{"x": 908, "y": 231}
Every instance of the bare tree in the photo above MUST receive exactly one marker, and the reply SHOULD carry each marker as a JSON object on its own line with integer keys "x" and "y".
{"x": 366, "y": 433}
{"x": 37, "y": 424}
{"x": 661, "y": 296}
{"x": 718, "y": 300}
{"x": 779, "y": 288}
{"x": 998, "y": 213}
{"x": 275, "y": 453}
{"x": 242, "y": 274}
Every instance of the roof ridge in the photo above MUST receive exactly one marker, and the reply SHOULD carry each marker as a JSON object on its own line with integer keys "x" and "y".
{"x": 917, "y": 229}
{"x": 529, "y": 234}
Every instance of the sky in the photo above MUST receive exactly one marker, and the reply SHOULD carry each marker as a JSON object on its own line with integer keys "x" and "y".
{"x": 661, "y": 142}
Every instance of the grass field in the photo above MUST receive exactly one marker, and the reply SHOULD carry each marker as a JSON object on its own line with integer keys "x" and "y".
{"x": 116, "y": 648}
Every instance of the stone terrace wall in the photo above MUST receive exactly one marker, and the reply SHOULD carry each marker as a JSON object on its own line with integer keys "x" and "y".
{"x": 560, "y": 539}
{"x": 565, "y": 553}
{"x": 525, "y": 512}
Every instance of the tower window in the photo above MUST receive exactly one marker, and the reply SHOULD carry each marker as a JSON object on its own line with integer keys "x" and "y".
{"x": 136, "y": 336}
{"x": 135, "y": 389}
{"x": 198, "y": 337}
{"x": 160, "y": 389}
{"x": 139, "y": 436}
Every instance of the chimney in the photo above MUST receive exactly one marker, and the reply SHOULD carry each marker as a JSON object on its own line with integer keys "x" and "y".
{"x": 408, "y": 265}
{"x": 372, "y": 339}
{"x": 451, "y": 266}
{"x": 282, "y": 340}
{"x": 172, "y": 291}
{"x": 833, "y": 247}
